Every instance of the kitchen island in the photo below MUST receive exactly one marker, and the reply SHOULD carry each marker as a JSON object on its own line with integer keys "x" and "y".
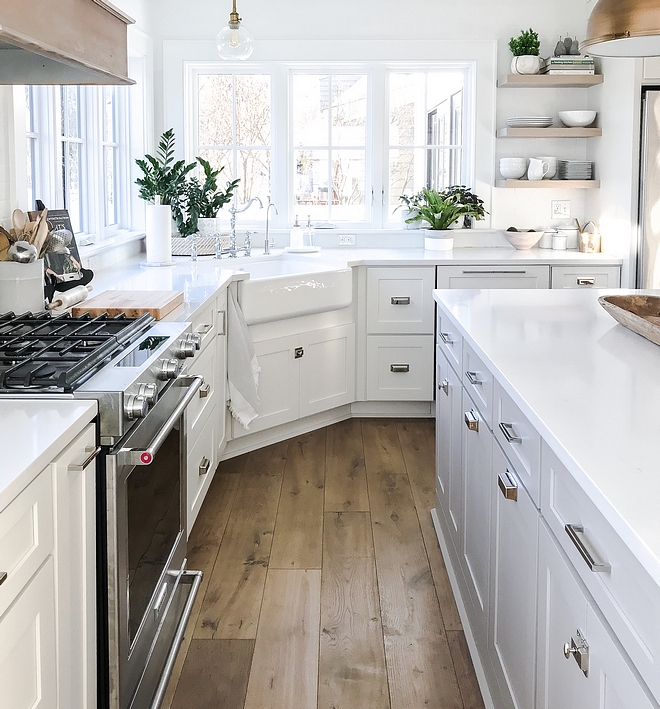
{"x": 548, "y": 488}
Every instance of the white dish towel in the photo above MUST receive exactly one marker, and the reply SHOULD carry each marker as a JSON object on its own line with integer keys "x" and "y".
{"x": 242, "y": 366}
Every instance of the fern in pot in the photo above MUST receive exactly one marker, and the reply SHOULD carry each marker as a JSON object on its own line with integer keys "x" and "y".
{"x": 163, "y": 182}
{"x": 525, "y": 49}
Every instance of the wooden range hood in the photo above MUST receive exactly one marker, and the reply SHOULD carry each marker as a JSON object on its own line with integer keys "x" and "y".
{"x": 63, "y": 42}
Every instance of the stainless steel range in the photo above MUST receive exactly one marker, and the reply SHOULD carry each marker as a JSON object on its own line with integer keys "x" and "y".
{"x": 135, "y": 369}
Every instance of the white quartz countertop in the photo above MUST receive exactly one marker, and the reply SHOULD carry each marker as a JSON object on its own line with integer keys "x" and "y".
{"x": 34, "y": 433}
{"x": 589, "y": 386}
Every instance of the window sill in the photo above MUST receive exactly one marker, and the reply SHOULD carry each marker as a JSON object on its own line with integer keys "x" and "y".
{"x": 120, "y": 239}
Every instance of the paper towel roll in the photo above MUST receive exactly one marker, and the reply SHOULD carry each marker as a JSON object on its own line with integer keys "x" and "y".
{"x": 159, "y": 233}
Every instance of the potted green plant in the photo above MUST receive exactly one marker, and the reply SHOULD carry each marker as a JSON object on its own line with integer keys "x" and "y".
{"x": 196, "y": 209}
{"x": 441, "y": 210}
{"x": 162, "y": 183}
{"x": 408, "y": 209}
{"x": 525, "y": 49}
{"x": 460, "y": 194}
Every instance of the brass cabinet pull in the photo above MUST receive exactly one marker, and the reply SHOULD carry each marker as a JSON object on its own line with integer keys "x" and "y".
{"x": 79, "y": 467}
{"x": 586, "y": 281}
{"x": 401, "y": 368}
{"x": 204, "y": 466}
{"x": 205, "y": 391}
{"x": 473, "y": 378}
{"x": 472, "y": 421}
{"x": 400, "y": 300}
{"x": 508, "y": 486}
{"x": 587, "y": 552}
{"x": 509, "y": 435}
{"x": 444, "y": 386}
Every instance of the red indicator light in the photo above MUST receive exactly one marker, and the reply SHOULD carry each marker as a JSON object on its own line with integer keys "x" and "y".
{"x": 146, "y": 458}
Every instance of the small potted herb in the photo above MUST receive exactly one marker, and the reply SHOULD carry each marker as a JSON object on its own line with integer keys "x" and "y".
{"x": 525, "y": 49}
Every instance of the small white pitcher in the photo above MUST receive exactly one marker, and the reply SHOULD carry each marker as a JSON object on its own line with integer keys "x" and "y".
{"x": 537, "y": 169}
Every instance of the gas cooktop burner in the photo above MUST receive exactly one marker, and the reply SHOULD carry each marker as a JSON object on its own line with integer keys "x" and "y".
{"x": 40, "y": 353}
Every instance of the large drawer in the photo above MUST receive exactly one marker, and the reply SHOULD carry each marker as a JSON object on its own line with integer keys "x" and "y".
{"x": 202, "y": 462}
{"x": 26, "y": 536}
{"x": 589, "y": 277}
{"x": 519, "y": 440}
{"x": 450, "y": 341}
{"x": 626, "y": 595}
{"x": 478, "y": 381}
{"x": 204, "y": 364}
{"x": 400, "y": 300}
{"x": 400, "y": 368}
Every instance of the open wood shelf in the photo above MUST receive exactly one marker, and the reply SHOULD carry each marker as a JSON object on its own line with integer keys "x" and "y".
{"x": 559, "y": 132}
{"x": 549, "y": 184}
{"x": 547, "y": 81}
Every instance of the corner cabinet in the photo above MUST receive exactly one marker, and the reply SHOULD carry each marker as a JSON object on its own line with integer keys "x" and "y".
{"x": 545, "y": 631}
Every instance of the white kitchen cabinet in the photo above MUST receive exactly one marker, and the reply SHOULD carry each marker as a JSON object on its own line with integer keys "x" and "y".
{"x": 505, "y": 276}
{"x": 221, "y": 373}
{"x": 585, "y": 276}
{"x": 202, "y": 462}
{"x": 513, "y": 577}
{"x": 400, "y": 368}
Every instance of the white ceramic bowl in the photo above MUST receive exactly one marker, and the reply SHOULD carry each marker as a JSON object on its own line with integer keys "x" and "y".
{"x": 513, "y": 168}
{"x": 577, "y": 119}
{"x": 523, "y": 240}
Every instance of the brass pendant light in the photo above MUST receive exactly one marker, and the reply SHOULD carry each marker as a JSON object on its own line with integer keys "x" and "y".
{"x": 623, "y": 28}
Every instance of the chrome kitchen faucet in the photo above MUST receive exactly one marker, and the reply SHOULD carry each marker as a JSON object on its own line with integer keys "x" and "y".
{"x": 247, "y": 249}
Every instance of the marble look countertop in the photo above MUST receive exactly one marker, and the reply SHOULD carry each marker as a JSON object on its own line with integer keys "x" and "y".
{"x": 589, "y": 386}
{"x": 34, "y": 433}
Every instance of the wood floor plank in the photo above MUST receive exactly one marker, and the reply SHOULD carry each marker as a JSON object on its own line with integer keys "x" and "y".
{"x": 284, "y": 672}
{"x": 233, "y": 598}
{"x": 417, "y": 438}
{"x": 419, "y": 663}
{"x": 352, "y": 672}
{"x": 345, "y": 478}
{"x": 298, "y": 538}
{"x": 467, "y": 678}
{"x": 215, "y": 675}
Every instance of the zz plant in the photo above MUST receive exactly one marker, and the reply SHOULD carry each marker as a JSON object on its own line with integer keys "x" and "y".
{"x": 163, "y": 179}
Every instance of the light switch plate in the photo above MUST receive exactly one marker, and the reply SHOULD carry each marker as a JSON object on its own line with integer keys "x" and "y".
{"x": 561, "y": 208}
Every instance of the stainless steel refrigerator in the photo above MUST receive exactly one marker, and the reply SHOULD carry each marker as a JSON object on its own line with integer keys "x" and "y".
{"x": 648, "y": 259}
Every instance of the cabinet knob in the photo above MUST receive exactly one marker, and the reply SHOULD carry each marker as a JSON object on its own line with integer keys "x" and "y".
{"x": 579, "y": 649}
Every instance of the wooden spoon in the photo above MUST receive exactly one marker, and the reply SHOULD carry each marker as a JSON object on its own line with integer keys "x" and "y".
{"x": 19, "y": 220}
{"x": 40, "y": 233}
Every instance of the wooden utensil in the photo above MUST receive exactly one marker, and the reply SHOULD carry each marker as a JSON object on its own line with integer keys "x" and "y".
{"x": 40, "y": 232}
{"x": 133, "y": 303}
{"x": 4, "y": 246}
{"x": 19, "y": 220}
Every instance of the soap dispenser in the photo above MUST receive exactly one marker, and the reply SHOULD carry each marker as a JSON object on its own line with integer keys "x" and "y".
{"x": 308, "y": 235}
{"x": 296, "y": 238}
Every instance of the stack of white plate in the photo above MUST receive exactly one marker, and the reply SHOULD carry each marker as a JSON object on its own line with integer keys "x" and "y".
{"x": 575, "y": 170}
{"x": 529, "y": 122}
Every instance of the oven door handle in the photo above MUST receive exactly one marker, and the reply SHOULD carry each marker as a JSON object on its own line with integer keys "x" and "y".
{"x": 136, "y": 456}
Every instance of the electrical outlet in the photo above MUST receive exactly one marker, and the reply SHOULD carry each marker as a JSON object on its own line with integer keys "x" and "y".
{"x": 347, "y": 240}
{"x": 561, "y": 208}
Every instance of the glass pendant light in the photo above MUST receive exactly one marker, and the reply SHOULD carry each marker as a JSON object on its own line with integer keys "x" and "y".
{"x": 624, "y": 28}
{"x": 234, "y": 41}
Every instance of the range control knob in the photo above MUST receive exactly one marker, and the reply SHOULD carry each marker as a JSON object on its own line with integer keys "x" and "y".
{"x": 195, "y": 338}
{"x": 184, "y": 348}
{"x": 168, "y": 369}
{"x": 135, "y": 407}
{"x": 149, "y": 392}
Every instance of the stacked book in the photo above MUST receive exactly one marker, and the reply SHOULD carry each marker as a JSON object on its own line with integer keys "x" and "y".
{"x": 568, "y": 64}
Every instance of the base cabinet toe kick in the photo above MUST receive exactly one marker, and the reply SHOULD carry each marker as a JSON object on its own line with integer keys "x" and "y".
{"x": 558, "y": 612}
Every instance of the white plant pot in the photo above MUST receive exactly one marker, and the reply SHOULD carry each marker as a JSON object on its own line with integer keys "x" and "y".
{"x": 406, "y": 214}
{"x": 526, "y": 64}
{"x": 159, "y": 235}
{"x": 208, "y": 226}
{"x": 438, "y": 239}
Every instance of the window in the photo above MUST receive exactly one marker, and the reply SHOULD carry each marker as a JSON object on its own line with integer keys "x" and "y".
{"x": 72, "y": 147}
{"x": 110, "y": 120}
{"x": 340, "y": 143}
{"x": 31, "y": 149}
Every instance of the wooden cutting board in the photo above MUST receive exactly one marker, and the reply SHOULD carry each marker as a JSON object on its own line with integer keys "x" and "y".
{"x": 158, "y": 303}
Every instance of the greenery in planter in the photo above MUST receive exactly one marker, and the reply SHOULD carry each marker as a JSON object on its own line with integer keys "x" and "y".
{"x": 526, "y": 44}
{"x": 442, "y": 209}
{"x": 411, "y": 201}
{"x": 200, "y": 199}
{"x": 164, "y": 179}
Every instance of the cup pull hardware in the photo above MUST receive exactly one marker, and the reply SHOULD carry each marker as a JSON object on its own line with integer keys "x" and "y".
{"x": 586, "y": 281}
{"x": 509, "y": 435}
{"x": 446, "y": 338}
{"x": 400, "y": 300}
{"x": 92, "y": 453}
{"x": 473, "y": 378}
{"x": 3, "y": 577}
{"x": 298, "y": 353}
{"x": 204, "y": 466}
{"x": 205, "y": 329}
{"x": 399, "y": 368}
{"x": 508, "y": 486}
{"x": 205, "y": 391}
{"x": 587, "y": 552}
{"x": 580, "y": 650}
{"x": 472, "y": 421}
{"x": 444, "y": 386}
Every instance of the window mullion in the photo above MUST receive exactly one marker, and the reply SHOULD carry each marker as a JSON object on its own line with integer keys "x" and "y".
{"x": 377, "y": 147}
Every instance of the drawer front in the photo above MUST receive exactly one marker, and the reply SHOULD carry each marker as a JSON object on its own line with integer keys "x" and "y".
{"x": 205, "y": 364}
{"x": 478, "y": 381}
{"x": 202, "y": 462}
{"x": 519, "y": 440}
{"x": 400, "y": 368}
{"x": 506, "y": 276}
{"x": 400, "y": 300}
{"x": 590, "y": 277}
{"x": 450, "y": 342}
{"x": 26, "y": 536}
{"x": 205, "y": 323}
{"x": 626, "y": 595}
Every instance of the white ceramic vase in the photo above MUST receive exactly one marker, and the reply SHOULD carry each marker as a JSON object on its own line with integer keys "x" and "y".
{"x": 159, "y": 235}
{"x": 438, "y": 239}
{"x": 526, "y": 64}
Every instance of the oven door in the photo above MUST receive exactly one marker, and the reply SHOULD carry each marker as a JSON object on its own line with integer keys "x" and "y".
{"x": 150, "y": 594}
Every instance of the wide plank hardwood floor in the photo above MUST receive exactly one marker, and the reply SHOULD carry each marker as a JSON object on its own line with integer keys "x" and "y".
{"x": 324, "y": 585}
